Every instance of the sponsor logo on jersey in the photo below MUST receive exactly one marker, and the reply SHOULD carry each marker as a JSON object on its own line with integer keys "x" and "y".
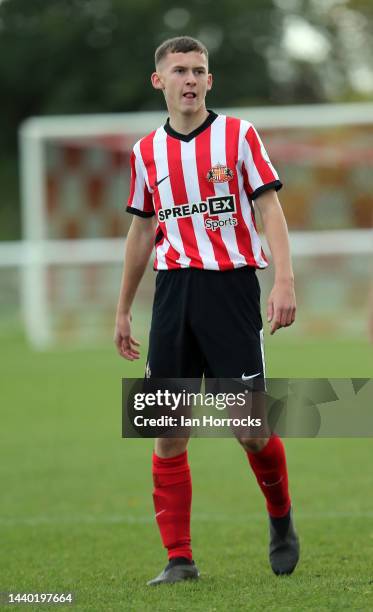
{"x": 215, "y": 205}
{"x": 222, "y": 204}
{"x": 215, "y": 224}
{"x": 220, "y": 174}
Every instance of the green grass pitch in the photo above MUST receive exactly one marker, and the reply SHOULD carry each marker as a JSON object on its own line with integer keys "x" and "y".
{"x": 76, "y": 509}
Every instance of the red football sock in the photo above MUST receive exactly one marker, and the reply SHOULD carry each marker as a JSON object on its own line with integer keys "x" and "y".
{"x": 172, "y": 497}
{"x": 269, "y": 467}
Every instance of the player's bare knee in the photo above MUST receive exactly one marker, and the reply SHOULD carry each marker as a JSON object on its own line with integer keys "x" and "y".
{"x": 253, "y": 445}
{"x": 170, "y": 447}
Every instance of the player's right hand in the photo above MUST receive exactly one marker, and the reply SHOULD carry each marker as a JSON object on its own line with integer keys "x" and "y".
{"x": 125, "y": 343}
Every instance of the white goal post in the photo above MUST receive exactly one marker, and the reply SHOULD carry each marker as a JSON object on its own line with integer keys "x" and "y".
{"x": 37, "y": 250}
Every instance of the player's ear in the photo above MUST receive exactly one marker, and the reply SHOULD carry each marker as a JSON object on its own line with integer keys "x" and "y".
{"x": 209, "y": 82}
{"x": 156, "y": 81}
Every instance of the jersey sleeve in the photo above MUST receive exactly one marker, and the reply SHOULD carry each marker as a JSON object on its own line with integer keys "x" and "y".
{"x": 140, "y": 201}
{"x": 259, "y": 173}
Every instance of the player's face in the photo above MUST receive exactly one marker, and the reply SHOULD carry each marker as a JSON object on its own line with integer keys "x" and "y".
{"x": 185, "y": 80}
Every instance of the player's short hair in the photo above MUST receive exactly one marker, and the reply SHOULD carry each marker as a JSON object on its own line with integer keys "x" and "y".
{"x": 179, "y": 44}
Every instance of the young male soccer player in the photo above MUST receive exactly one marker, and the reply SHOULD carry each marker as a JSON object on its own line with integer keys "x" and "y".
{"x": 193, "y": 187}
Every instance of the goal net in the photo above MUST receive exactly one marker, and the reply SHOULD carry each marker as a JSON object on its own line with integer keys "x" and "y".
{"x": 75, "y": 180}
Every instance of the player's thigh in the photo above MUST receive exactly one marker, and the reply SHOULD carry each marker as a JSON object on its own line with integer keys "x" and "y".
{"x": 232, "y": 337}
{"x": 173, "y": 350}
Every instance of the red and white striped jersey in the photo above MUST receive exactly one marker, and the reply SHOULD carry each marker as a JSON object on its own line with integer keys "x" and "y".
{"x": 202, "y": 186}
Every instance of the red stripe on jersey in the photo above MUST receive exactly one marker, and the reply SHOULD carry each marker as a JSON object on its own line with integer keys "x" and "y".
{"x": 158, "y": 245}
{"x": 249, "y": 190}
{"x": 147, "y": 152}
{"x": 261, "y": 164}
{"x": 180, "y": 197}
{"x": 246, "y": 183}
{"x": 203, "y": 159}
{"x": 171, "y": 263}
{"x": 136, "y": 181}
{"x": 232, "y": 135}
{"x": 263, "y": 255}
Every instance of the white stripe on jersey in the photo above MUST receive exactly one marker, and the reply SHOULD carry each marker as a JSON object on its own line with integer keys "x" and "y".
{"x": 245, "y": 205}
{"x": 161, "y": 251}
{"x": 262, "y": 351}
{"x": 255, "y": 179}
{"x": 165, "y": 193}
{"x": 218, "y": 156}
{"x": 265, "y": 154}
{"x": 141, "y": 176}
{"x": 190, "y": 172}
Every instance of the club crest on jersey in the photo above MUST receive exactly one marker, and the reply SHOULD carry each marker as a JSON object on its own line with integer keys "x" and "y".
{"x": 220, "y": 174}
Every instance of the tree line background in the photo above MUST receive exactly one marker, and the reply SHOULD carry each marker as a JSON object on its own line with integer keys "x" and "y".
{"x": 95, "y": 56}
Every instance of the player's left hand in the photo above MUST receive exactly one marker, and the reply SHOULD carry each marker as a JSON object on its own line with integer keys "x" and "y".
{"x": 127, "y": 345}
{"x": 281, "y": 305}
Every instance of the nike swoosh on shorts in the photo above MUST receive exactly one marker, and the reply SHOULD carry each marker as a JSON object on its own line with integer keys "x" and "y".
{"x": 248, "y": 377}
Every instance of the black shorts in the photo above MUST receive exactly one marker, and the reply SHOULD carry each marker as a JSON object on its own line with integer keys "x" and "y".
{"x": 207, "y": 323}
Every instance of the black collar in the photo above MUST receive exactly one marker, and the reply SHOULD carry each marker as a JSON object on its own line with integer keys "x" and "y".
{"x": 188, "y": 137}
